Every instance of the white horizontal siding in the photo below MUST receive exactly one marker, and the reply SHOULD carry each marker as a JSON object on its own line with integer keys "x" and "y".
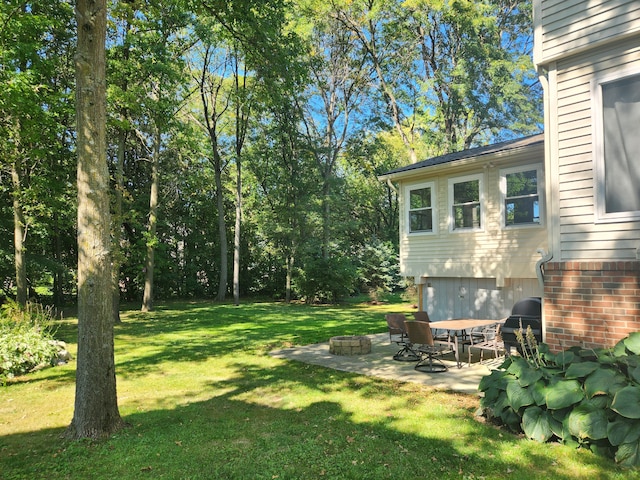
{"x": 567, "y": 27}
{"x": 580, "y": 237}
{"x": 495, "y": 252}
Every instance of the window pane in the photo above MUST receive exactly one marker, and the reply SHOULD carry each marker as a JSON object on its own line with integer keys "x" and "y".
{"x": 621, "y": 117}
{"x": 522, "y": 183}
{"x": 522, "y": 210}
{"x": 465, "y": 192}
{"x": 420, "y": 198}
{"x": 466, "y": 216}
{"x": 421, "y": 221}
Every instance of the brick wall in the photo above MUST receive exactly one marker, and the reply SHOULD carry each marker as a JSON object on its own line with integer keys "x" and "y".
{"x": 590, "y": 304}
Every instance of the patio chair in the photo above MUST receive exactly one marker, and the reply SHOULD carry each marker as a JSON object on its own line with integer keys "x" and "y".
{"x": 491, "y": 340}
{"x": 438, "y": 335}
{"x": 398, "y": 335}
{"x": 423, "y": 343}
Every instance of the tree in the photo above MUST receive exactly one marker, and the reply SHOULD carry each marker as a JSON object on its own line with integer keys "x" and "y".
{"x": 34, "y": 124}
{"x": 450, "y": 74}
{"x": 96, "y": 412}
{"x": 335, "y": 95}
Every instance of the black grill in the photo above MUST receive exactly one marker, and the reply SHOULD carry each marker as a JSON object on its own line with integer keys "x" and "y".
{"x": 525, "y": 313}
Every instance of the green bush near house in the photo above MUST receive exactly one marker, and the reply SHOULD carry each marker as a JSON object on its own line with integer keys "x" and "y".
{"x": 26, "y": 341}
{"x": 586, "y": 398}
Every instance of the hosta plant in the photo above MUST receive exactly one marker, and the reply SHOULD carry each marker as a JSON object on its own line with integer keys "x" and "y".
{"x": 583, "y": 397}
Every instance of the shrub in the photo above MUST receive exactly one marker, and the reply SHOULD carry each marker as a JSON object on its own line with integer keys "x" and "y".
{"x": 26, "y": 341}
{"x": 378, "y": 269}
{"x": 326, "y": 280}
{"x": 586, "y": 398}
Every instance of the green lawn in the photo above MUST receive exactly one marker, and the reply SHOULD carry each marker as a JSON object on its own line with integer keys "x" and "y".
{"x": 204, "y": 400}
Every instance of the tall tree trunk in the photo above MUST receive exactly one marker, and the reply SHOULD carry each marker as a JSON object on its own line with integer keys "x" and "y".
{"x": 117, "y": 226}
{"x": 222, "y": 229}
{"x": 18, "y": 236}
{"x": 96, "y": 412}
{"x": 288, "y": 279}
{"x": 236, "y": 234}
{"x": 147, "y": 299}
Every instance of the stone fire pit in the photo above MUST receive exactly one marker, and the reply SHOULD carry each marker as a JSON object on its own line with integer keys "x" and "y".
{"x": 353, "y": 345}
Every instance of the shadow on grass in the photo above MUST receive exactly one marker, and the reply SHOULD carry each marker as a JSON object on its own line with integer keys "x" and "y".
{"x": 254, "y": 430}
{"x": 283, "y": 420}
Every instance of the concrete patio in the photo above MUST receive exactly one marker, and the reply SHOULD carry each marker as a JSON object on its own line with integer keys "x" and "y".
{"x": 379, "y": 363}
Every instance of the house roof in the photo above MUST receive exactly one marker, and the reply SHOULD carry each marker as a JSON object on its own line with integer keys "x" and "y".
{"x": 472, "y": 153}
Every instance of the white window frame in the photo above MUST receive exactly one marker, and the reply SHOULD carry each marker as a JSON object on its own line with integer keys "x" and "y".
{"x": 481, "y": 200}
{"x": 601, "y": 215}
{"x": 434, "y": 212}
{"x": 503, "y": 194}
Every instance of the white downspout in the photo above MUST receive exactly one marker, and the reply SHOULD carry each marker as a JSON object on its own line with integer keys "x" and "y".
{"x": 549, "y": 197}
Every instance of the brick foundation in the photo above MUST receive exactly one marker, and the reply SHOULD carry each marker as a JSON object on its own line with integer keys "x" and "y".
{"x": 590, "y": 304}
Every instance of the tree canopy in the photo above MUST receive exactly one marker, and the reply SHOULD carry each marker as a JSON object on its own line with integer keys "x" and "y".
{"x": 244, "y": 139}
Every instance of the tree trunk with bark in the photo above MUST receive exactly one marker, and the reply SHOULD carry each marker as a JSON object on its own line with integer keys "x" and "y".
{"x": 147, "y": 300}
{"x": 96, "y": 412}
{"x": 18, "y": 237}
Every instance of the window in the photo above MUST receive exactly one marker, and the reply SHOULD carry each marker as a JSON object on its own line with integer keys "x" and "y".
{"x": 520, "y": 188}
{"x": 465, "y": 199}
{"x": 617, "y": 146}
{"x": 421, "y": 210}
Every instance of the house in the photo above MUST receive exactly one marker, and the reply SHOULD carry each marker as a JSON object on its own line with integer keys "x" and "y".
{"x": 588, "y": 56}
{"x": 476, "y": 235}
{"x": 473, "y": 228}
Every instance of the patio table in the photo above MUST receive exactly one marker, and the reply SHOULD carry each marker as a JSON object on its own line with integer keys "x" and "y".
{"x": 462, "y": 324}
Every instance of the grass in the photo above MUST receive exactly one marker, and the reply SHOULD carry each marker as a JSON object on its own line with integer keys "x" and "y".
{"x": 204, "y": 400}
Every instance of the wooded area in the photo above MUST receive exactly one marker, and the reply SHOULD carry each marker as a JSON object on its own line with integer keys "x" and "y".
{"x": 244, "y": 138}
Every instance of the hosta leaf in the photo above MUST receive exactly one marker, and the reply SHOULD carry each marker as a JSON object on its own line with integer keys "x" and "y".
{"x": 518, "y": 365}
{"x": 539, "y": 392}
{"x": 632, "y": 342}
{"x": 623, "y": 430}
{"x": 563, "y": 394}
{"x": 564, "y": 358}
{"x": 628, "y": 454}
{"x": 619, "y": 350}
{"x": 518, "y": 396}
{"x": 525, "y": 372}
{"x": 587, "y": 421}
{"x": 634, "y": 373}
{"x": 581, "y": 369}
{"x": 536, "y": 424}
{"x": 511, "y": 419}
{"x": 626, "y": 402}
{"x": 496, "y": 379}
{"x": 604, "y": 381}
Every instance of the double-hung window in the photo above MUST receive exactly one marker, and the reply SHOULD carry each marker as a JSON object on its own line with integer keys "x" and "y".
{"x": 616, "y": 115}
{"x": 465, "y": 200}
{"x": 520, "y": 189}
{"x": 421, "y": 208}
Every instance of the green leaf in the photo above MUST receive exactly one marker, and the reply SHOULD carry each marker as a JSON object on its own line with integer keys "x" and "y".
{"x": 626, "y": 402}
{"x": 525, "y": 372}
{"x": 581, "y": 369}
{"x": 563, "y": 394}
{"x": 628, "y": 454}
{"x": 518, "y": 395}
{"x": 604, "y": 381}
{"x": 539, "y": 392}
{"x": 496, "y": 379}
{"x": 511, "y": 419}
{"x": 634, "y": 373}
{"x": 565, "y": 358}
{"x": 587, "y": 421}
{"x": 623, "y": 430}
{"x": 619, "y": 350}
{"x": 632, "y": 342}
{"x": 536, "y": 424}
